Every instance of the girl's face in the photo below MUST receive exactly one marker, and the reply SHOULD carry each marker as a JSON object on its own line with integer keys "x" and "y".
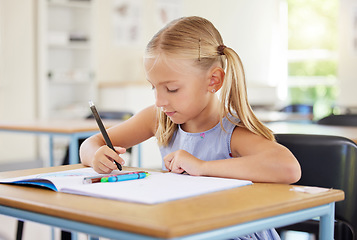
{"x": 181, "y": 90}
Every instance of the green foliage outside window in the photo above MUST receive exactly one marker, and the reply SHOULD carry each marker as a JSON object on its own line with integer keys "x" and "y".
{"x": 321, "y": 97}
{"x": 313, "y": 24}
{"x": 313, "y": 68}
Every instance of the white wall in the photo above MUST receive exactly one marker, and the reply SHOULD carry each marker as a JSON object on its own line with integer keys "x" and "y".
{"x": 250, "y": 27}
{"x": 347, "y": 65}
{"x": 17, "y": 76}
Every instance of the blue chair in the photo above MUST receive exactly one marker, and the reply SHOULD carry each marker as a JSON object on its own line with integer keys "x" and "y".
{"x": 298, "y": 108}
{"x": 304, "y": 111}
{"x": 329, "y": 162}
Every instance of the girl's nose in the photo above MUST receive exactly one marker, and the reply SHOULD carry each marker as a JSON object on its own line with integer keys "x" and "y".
{"x": 161, "y": 101}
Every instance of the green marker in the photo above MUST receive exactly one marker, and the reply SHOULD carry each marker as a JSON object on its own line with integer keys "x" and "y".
{"x": 104, "y": 179}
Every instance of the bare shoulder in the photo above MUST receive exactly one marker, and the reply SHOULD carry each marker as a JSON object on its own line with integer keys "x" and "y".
{"x": 245, "y": 142}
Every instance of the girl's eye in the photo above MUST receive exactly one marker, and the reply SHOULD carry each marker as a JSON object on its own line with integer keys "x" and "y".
{"x": 172, "y": 90}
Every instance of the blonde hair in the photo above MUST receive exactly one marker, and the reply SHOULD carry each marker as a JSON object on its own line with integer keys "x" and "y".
{"x": 197, "y": 39}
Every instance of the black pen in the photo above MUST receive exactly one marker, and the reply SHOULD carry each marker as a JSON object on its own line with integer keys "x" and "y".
{"x": 103, "y": 131}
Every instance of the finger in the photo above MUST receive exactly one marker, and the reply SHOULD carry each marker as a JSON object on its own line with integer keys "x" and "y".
{"x": 120, "y": 150}
{"x": 120, "y": 161}
{"x": 101, "y": 168}
{"x": 167, "y": 161}
{"x": 106, "y": 167}
{"x": 114, "y": 155}
{"x": 111, "y": 155}
{"x": 176, "y": 168}
{"x": 115, "y": 158}
{"x": 101, "y": 162}
{"x": 108, "y": 159}
{"x": 180, "y": 170}
{"x": 172, "y": 165}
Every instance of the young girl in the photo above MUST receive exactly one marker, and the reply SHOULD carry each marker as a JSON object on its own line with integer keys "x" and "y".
{"x": 187, "y": 63}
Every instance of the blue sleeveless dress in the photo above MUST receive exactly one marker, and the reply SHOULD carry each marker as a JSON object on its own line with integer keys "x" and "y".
{"x": 213, "y": 144}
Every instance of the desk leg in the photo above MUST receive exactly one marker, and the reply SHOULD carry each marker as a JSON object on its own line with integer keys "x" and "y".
{"x": 73, "y": 159}
{"x": 73, "y": 150}
{"x": 327, "y": 223}
{"x": 51, "y": 150}
{"x": 139, "y": 155}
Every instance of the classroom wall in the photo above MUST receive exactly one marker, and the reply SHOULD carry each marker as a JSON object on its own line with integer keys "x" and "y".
{"x": 250, "y": 27}
{"x": 253, "y": 29}
{"x": 17, "y": 76}
{"x": 347, "y": 71}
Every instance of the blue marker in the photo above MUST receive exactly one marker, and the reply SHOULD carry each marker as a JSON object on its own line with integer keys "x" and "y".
{"x": 126, "y": 177}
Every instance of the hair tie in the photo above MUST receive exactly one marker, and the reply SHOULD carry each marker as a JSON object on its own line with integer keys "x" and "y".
{"x": 220, "y": 49}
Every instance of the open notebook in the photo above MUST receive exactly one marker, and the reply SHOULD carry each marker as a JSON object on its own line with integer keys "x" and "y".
{"x": 158, "y": 187}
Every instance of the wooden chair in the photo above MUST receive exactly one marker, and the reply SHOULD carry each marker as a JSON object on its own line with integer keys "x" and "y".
{"x": 329, "y": 162}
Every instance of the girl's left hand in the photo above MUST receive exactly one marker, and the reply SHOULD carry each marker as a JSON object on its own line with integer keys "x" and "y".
{"x": 181, "y": 161}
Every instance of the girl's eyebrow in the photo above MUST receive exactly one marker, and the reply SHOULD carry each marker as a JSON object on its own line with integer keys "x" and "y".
{"x": 167, "y": 81}
{"x": 164, "y": 82}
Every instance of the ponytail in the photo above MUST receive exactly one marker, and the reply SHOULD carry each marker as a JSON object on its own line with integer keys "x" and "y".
{"x": 234, "y": 99}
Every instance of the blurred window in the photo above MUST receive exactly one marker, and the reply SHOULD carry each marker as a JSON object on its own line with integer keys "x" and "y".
{"x": 312, "y": 53}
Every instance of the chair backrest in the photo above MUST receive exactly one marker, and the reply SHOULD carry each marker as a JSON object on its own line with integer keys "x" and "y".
{"x": 339, "y": 120}
{"x": 330, "y": 162}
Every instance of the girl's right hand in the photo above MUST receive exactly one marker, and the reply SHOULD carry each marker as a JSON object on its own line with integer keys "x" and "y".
{"x": 104, "y": 157}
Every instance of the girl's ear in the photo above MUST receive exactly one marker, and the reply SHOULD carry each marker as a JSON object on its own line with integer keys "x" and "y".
{"x": 216, "y": 79}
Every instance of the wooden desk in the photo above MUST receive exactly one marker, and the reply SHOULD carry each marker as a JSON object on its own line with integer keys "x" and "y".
{"x": 219, "y": 215}
{"x": 74, "y": 129}
{"x": 301, "y": 128}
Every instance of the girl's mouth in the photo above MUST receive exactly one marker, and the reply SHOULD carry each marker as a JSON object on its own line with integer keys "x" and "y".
{"x": 170, "y": 114}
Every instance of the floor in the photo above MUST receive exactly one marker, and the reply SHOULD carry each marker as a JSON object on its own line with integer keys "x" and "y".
{"x": 32, "y": 231}
{"x": 35, "y": 231}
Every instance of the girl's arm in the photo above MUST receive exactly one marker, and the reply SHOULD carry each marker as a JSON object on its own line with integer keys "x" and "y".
{"x": 95, "y": 153}
{"x": 254, "y": 158}
{"x": 257, "y": 159}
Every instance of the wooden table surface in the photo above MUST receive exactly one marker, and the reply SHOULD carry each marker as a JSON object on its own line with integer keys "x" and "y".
{"x": 56, "y": 126}
{"x": 169, "y": 219}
